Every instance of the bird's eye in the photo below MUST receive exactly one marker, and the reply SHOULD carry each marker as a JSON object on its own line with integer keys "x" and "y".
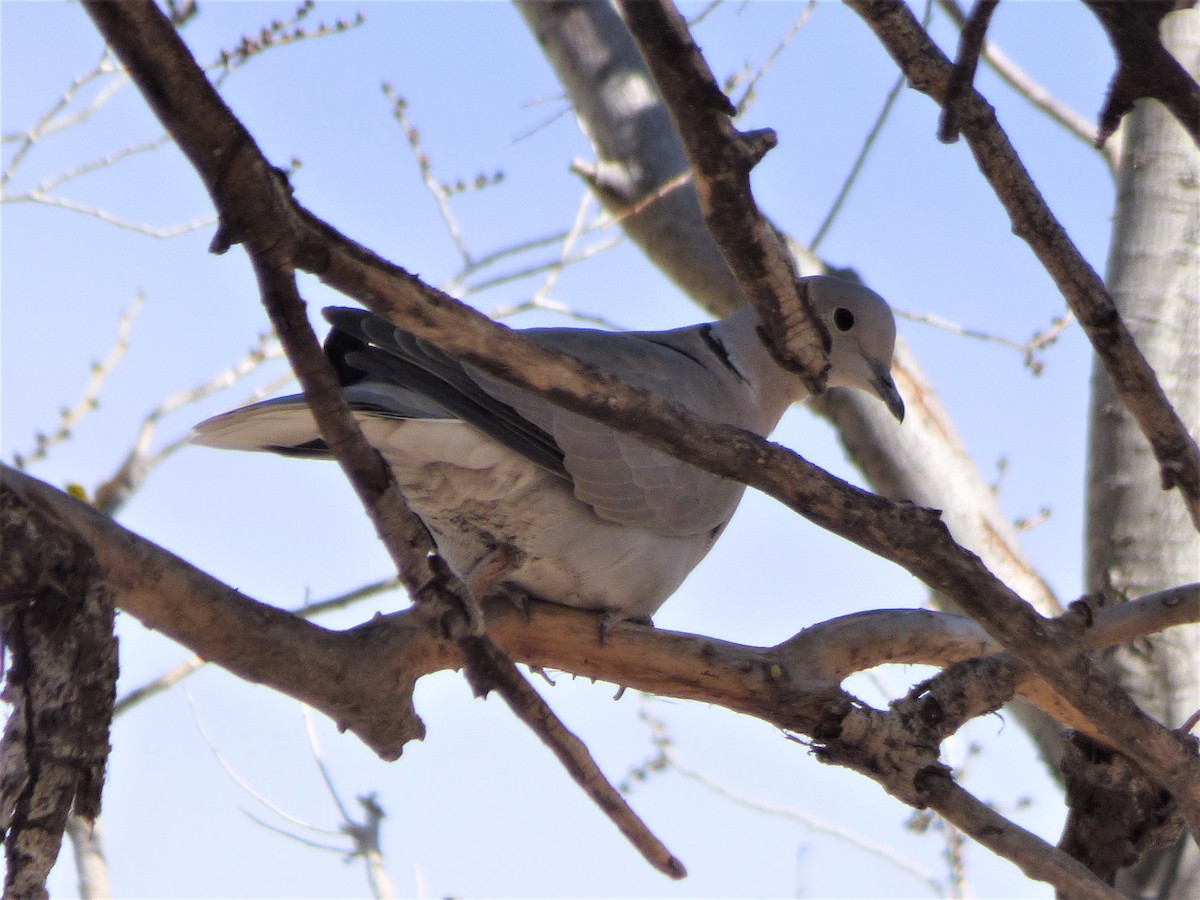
{"x": 843, "y": 319}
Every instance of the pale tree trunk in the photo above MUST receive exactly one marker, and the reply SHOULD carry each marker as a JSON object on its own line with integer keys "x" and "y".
{"x": 1139, "y": 538}
{"x": 90, "y": 864}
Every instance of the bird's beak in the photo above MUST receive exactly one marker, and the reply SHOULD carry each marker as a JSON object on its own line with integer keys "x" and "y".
{"x": 886, "y": 389}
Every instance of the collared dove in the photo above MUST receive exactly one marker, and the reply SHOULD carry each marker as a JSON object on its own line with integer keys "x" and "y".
{"x": 601, "y": 521}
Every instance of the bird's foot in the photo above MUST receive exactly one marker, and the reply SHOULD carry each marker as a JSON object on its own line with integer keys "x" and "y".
{"x": 611, "y": 617}
{"x": 480, "y": 579}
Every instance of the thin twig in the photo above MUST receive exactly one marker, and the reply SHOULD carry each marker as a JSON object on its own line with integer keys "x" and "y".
{"x": 1037, "y": 95}
{"x": 435, "y": 188}
{"x": 103, "y": 162}
{"x": 864, "y": 151}
{"x": 573, "y": 234}
{"x": 364, "y": 835}
{"x": 69, "y": 419}
{"x": 548, "y": 304}
{"x": 1028, "y": 349}
{"x": 668, "y": 758}
{"x": 48, "y": 123}
{"x": 962, "y": 79}
{"x": 748, "y": 96}
{"x": 115, "y": 491}
{"x": 237, "y": 779}
{"x": 103, "y": 215}
{"x": 859, "y": 161}
{"x": 537, "y": 268}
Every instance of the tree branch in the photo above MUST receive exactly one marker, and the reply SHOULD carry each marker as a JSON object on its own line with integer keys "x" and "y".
{"x": 970, "y": 44}
{"x": 1145, "y": 68}
{"x": 930, "y": 72}
{"x": 258, "y": 211}
{"x": 721, "y": 158}
{"x": 364, "y": 678}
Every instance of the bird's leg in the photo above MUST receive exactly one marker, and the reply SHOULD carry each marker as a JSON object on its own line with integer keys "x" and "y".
{"x": 481, "y": 577}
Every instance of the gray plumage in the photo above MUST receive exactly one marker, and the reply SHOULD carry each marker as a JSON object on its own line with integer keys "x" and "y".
{"x": 604, "y": 521}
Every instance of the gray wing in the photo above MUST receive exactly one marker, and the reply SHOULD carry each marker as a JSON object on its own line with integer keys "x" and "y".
{"x": 623, "y": 479}
{"x": 377, "y": 361}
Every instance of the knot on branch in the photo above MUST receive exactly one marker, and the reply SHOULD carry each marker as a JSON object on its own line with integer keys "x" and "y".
{"x": 894, "y": 750}
{"x": 752, "y": 146}
{"x": 1116, "y": 813}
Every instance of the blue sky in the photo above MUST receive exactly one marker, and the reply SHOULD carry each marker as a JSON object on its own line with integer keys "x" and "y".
{"x": 479, "y": 808}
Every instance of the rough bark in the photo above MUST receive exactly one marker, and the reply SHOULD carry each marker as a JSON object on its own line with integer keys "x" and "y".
{"x": 56, "y": 616}
{"x": 1137, "y": 541}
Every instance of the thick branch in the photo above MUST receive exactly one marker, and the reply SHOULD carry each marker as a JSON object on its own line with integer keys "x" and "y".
{"x": 56, "y": 625}
{"x": 930, "y": 72}
{"x": 639, "y": 158}
{"x": 363, "y": 678}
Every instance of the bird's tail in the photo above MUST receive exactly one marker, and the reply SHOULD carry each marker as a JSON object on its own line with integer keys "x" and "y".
{"x": 283, "y": 425}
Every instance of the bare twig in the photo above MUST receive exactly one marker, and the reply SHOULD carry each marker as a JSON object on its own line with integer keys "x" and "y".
{"x": 856, "y": 168}
{"x": 864, "y": 151}
{"x": 555, "y": 306}
{"x": 435, "y": 188}
{"x": 105, "y": 216}
{"x": 1027, "y": 349}
{"x": 69, "y": 419}
{"x": 1037, "y": 95}
{"x": 52, "y": 120}
{"x": 553, "y": 265}
{"x": 112, "y": 493}
{"x": 666, "y": 759}
{"x": 365, "y": 834}
{"x": 568, "y": 244}
{"x": 962, "y": 79}
{"x": 278, "y": 33}
{"x": 748, "y": 95}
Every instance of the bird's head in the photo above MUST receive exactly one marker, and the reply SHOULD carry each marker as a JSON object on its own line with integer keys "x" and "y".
{"x": 863, "y": 334}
